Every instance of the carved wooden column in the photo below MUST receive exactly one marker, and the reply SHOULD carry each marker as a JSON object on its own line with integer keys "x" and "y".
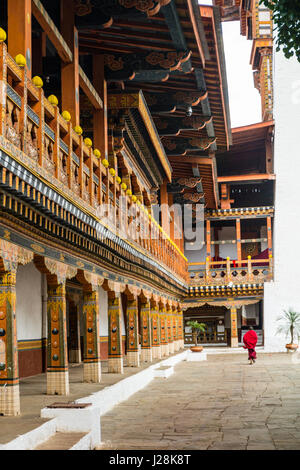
{"x": 115, "y": 353}
{"x": 170, "y": 329}
{"x": 91, "y": 335}
{"x": 155, "y": 324}
{"x": 10, "y": 256}
{"x": 234, "y": 329}
{"x": 164, "y": 331}
{"x": 57, "y": 358}
{"x": 132, "y": 336}
{"x": 180, "y": 330}
{"x": 9, "y": 365}
{"x": 175, "y": 331}
{"x": 146, "y": 352}
{"x": 57, "y": 346}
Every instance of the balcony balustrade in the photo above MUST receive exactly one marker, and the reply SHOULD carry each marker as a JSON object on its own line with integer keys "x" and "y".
{"x": 216, "y": 273}
{"x": 37, "y": 134}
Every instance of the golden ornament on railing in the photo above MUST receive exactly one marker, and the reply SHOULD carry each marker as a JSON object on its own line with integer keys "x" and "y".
{"x": 53, "y": 100}
{"x": 129, "y": 192}
{"x": 20, "y": 60}
{"x": 118, "y": 179}
{"x": 3, "y": 35}
{"x": 112, "y": 171}
{"x": 88, "y": 142}
{"x": 97, "y": 153}
{"x": 105, "y": 163}
{"x": 134, "y": 198}
{"x": 66, "y": 115}
{"x": 37, "y": 81}
{"x": 124, "y": 186}
{"x": 78, "y": 130}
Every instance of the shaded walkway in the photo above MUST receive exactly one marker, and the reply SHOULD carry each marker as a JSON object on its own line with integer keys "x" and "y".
{"x": 220, "y": 404}
{"x": 33, "y": 397}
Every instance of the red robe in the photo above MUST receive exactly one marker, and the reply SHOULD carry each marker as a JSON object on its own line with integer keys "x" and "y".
{"x": 250, "y": 340}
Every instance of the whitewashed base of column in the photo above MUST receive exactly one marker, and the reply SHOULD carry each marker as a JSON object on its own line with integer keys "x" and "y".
{"x": 115, "y": 365}
{"x": 133, "y": 359}
{"x": 234, "y": 343}
{"x": 171, "y": 348}
{"x": 146, "y": 355}
{"x": 182, "y": 344}
{"x": 176, "y": 345}
{"x": 165, "y": 350}
{"x": 92, "y": 372}
{"x": 10, "y": 400}
{"x": 157, "y": 352}
{"x": 58, "y": 383}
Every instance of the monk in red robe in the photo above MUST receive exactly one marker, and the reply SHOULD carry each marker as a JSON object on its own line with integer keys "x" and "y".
{"x": 250, "y": 340}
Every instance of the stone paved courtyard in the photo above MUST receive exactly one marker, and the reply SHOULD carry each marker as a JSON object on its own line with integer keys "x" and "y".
{"x": 222, "y": 403}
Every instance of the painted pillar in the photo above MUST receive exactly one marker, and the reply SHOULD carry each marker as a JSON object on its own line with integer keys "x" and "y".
{"x": 176, "y": 329}
{"x": 115, "y": 355}
{"x": 163, "y": 333}
{"x": 91, "y": 337}
{"x": 234, "y": 330}
{"x": 180, "y": 330}
{"x": 146, "y": 353}
{"x": 133, "y": 357}
{"x": 57, "y": 358}
{"x": 170, "y": 330}
{"x": 156, "y": 347}
{"x": 9, "y": 366}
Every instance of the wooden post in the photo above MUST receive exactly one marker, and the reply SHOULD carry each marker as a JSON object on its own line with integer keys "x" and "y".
{"x": 19, "y": 30}
{"x": 163, "y": 332}
{"x": 132, "y": 337}
{"x": 238, "y": 241}
{"x": 269, "y": 235}
{"x": 100, "y": 115}
{"x": 208, "y": 240}
{"x": 234, "y": 330}
{"x": 70, "y": 72}
{"x": 57, "y": 361}
{"x": 9, "y": 370}
{"x": 146, "y": 332}
{"x": 164, "y": 202}
{"x": 92, "y": 363}
{"x": 115, "y": 356}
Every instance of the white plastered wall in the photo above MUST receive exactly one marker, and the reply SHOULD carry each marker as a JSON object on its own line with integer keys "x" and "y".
{"x": 284, "y": 291}
{"x": 29, "y": 303}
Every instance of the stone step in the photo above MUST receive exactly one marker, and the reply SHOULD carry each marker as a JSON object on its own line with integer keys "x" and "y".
{"x": 61, "y": 441}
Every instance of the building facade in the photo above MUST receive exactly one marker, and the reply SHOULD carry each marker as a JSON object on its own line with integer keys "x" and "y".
{"x": 114, "y": 123}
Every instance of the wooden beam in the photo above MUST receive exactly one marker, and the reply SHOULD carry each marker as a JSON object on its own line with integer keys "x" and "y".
{"x": 19, "y": 30}
{"x": 70, "y": 71}
{"x": 89, "y": 90}
{"x": 52, "y": 31}
{"x": 250, "y": 177}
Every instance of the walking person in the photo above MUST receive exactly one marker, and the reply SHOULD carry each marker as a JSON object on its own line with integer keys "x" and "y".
{"x": 250, "y": 340}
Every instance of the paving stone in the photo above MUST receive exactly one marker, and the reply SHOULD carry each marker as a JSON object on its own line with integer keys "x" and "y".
{"x": 222, "y": 405}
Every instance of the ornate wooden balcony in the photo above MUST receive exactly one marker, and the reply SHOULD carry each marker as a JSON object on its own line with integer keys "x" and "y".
{"x": 36, "y": 135}
{"x": 224, "y": 273}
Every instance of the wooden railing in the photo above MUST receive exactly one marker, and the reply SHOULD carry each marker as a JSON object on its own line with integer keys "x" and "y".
{"x": 248, "y": 271}
{"x": 44, "y": 140}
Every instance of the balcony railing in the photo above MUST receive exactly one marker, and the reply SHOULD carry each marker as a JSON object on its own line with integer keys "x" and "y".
{"x": 36, "y": 133}
{"x": 213, "y": 273}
